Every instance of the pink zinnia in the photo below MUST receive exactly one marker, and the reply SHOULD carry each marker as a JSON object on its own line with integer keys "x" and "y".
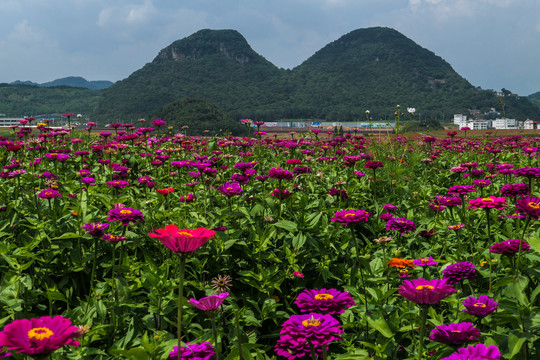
{"x": 491, "y": 202}
{"x": 529, "y": 206}
{"x": 476, "y": 352}
{"x": 425, "y": 262}
{"x": 510, "y": 247}
{"x": 350, "y": 216}
{"x": 39, "y": 337}
{"x": 426, "y": 292}
{"x": 202, "y": 351}
{"x": 183, "y": 241}
{"x": 209, "y": 303}
{"x": 125, "y": 215}
{"x": 326, "y": 301}
{"x": 455, "y": 333}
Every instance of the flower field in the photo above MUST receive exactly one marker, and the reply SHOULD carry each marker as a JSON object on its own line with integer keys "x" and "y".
{"x": 142, "y": 244}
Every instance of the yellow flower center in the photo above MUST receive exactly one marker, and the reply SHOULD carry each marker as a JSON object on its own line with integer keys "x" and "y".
{"x": 479, "y": 304}
{"x": 487, "y": 199}
{"x": 125, "y": 212}
{"x": 184, "y": 233}
{"x": 40, "y": 333}
{"x": 48, "y": 193}
{"x": 229, "y": 188}
{"x": 422, "y": 287}
{"x": 534, "y": 205}
{"x": 424, "y": 260}
{"x": 455, "y": 331}
{"x": 349, "y": 214}
{"x": 311, "y": 322}
{"x": 323, "y": 297}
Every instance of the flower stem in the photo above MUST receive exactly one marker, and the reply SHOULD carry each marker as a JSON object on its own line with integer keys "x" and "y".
{"x": 238, "y": 338}
{"x": 423, "y": 312}
{"x": 214, "y": 334}
{"x": 180, "y": 297}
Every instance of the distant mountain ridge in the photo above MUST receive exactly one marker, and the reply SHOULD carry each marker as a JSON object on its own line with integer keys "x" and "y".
{"x": 71, "y": 81}
{"x": 367, "y": 69}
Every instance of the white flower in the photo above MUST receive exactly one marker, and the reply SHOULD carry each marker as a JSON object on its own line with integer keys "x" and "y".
{"x": 79, "y": 116}
{"x": 367, "y": 111}
{"x": 411, "y": 110}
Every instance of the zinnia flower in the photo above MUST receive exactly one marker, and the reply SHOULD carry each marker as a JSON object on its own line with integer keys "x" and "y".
{"x": 320, "y": 329}
{"x": 401, "y": 263}
{"x": 491, "y": 202}
{"x": 39, "y": 337}
{"x": 422, "y": 291}
{"x": 187, "y": 198}
{"x": 49, "y": 194}
{"x": 510, "y": 247}
{"x": 183, "y": 241}
{"x": 350, "y": 216}
{"x": 425, "y": 262}
{"x": 515, "y": 190}
{"x": 230, "y": 189}
{"x": 461, "y": 189}
{"x": 455, "y": 333}
{"x": 324, "y": 301}
{"x": 165, "y": 191}
{"x": 529, "y": 206}
{"x": 400, "y": 225}
{"x": 481, "y": 307}
{"x": 476, "y": 352}
{"x": 210, "y": 303}
{"x": 459, "y": 271}
{"x": 202, "y": 351}
{"x": 95, "y": 229}
{"x": 125, "y": 215}
{"x": 281, "y": 193}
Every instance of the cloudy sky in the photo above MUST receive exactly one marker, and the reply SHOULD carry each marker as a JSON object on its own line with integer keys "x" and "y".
{"x": 492, "y": 43}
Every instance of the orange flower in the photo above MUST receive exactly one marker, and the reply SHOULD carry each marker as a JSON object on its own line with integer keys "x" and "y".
{"x": 401, "y": 263}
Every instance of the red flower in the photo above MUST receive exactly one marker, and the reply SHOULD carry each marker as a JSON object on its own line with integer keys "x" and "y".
{"x": 165, "y": 191}
{"x": 183, "y": 241}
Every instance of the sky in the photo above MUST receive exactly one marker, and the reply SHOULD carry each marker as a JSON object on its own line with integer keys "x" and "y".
{"x": 494, "y": 44}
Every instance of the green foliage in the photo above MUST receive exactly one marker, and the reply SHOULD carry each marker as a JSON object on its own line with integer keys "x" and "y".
{"x": 25, "y": 100}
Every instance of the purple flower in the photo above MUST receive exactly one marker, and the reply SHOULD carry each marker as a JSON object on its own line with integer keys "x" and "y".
{"x": 88, "y": 181}
{"x": 210, "y": 303}
{"x": 324, "y": 301}
{"x": 202, "y": 351}
{"x": 373, "y": 164}
{"x": 400, "y": 225}
{"x": 425, "y": 262}
{"x": 476, "y": 352}
{"x": 515, "y": 190}
{"x": 459, "y": 271}
{"x": 422, "y": 291}
{"x": 187, "y": 198}
{"x": 510, "y": 247}
{"x": 529, "y": 205}
{"x": 389, "y": 208}
{"x": 319, "y": 329}
{"x": 281, "y": 193}
{"x": 230, "y": 189}
{"x": 117, "y": 183}
{"x": 158, "y": 122}
{"x": 95, "y": 229}
{"x": 49, "y": 194}
{"x": 481, "y": 307}
{"x": 125, "y": 215}
{"x": 280, "y": 174}
{"x": 350, "y": 216}
{"x": 461, "y": 189}
{"x": 455, "y": 333}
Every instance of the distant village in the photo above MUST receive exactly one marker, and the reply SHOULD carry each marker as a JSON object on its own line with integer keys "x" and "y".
{"x": 499, "y": 123}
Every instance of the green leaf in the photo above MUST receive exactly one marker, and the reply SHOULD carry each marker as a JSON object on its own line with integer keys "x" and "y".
{"x": 287, "y": 225}
{"x": 381, "y": 326}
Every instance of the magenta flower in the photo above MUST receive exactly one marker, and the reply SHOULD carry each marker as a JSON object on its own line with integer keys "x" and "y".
{"x": 320, "y": 329}
{"x": 389, "y": 208}
{"x": 202, "y": 351}
{"x": 461, "y": 189}
{"x": 457, "y": 272}
{"x": 95, "y": 229}
{"x": 280, "y": 193}
{"x": 125, "y": 215}
{"x": 373, "y": 164}
{"x": 187, "y": 198}
{"x": 515, "y": 190}
{"x": 401, "y": 225}
{"x": 280, "y": 174}
{"x": 49, "y": 194}
{"x": 39, "y": 337}
{"x": 230, "y": 189}
{"x": 529, "y": 206}
{"x": 510, "y": 247}
{"x": 351, "y": 216}
{"x": 210, "y": 303}
{"x": 425, "y": 262}
{"x": 324, "y": 301}
{"x": 481, "y": 307}
{"x": 113, "y": 238}
{"x": 455, "y": 333}
{"x": 426, "y": 292}
{"x": 476, "y": 352}
{"x": 117, "y": 183}
{"x": 491, "y": 202}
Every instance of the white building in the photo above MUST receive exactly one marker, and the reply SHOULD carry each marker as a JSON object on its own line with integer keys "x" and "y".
{"x": 528, "y": 124}
{"x": 461, "y": 121}
{"x": 505, "y": 123}
{"x": 5, "y": 122}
